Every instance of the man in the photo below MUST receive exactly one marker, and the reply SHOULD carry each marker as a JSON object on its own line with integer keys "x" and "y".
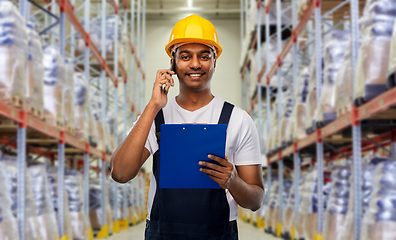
{"x": 194, "y": 213}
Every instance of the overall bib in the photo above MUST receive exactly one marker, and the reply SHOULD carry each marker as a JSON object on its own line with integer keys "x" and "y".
{"x": 189, "y": 214}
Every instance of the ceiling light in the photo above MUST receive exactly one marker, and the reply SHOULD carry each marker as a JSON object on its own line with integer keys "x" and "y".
{"x": 189, "y": 3}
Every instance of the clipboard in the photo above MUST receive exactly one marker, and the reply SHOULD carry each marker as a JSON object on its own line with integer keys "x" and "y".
{"x": 182, "y": 146}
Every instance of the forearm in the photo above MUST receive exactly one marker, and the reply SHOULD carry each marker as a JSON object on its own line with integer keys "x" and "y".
{"x": 247, "y": 195}
{"x": 127, "y": 159}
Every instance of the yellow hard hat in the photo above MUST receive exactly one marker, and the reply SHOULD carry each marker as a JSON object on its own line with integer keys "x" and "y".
{"x": 194, "y": 29}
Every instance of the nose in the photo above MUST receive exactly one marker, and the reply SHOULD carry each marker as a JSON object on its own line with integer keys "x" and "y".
{"x": 195, "y": 63}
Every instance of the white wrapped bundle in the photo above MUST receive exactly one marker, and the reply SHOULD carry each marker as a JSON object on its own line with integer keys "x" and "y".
{"x": 380, "y": 219}
{"x": 53, "y": 183}
{"x": 333, "y": 60}
{"x": 75, "y": 189}
{"x": 343, "y": 93}
{"x": 311, "y": 103}
{"x": 297, "y": 126}
{"x": 270, "y": 210}
{"x": 95, "y": 210}
{"x": 34, "y": 73}
{"x": 119, "y": 199}
{"x": 45, "y": 209}
{"x": 288, "y": 211}
{"x": 31, "y": 221}
{"x": 81, "y": 88}
{"x": 69, "y": 96}
{"x": 373, "y": 59}
{"x": 8, "y": 223}
{"x": 125, "y": 51}
{"x": 96, "y": 113}
{"x": 96, "y": 35}
{"x": 284, "y": 134}
{"x": 14, "y": 53}
{"x": 54, "y": 81}
{"x": 392, "y": 60}
{"x": 338, "y": 203}
{"x": 112, "y": 127}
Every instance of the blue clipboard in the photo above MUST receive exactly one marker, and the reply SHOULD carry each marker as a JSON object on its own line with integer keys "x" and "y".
{"x": 182, "y": 146}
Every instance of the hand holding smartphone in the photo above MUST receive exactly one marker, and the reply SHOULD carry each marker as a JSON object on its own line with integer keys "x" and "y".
{"x": 172, "y": 68}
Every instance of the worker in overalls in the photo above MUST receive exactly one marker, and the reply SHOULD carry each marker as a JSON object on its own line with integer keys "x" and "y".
{"x": 194, "y": 213}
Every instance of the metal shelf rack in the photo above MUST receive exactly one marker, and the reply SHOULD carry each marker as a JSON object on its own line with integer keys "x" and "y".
{"x": 317, "y": 144}
{"x": 30, "y": 130}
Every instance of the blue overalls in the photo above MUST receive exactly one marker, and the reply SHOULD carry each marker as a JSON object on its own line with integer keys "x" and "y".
{"x": 189, "y": 214}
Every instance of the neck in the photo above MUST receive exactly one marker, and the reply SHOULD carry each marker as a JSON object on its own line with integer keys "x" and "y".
{"x": 192, "y": 100}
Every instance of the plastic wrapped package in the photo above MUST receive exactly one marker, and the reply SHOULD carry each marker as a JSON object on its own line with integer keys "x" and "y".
{"x": 273, "y": 134}
{"x": 392, "y": 60}
{"x": 96, "y": 113}
{"x": 92, "y": 127}
{"x": 54, "y": 81}
{"x": 297, "y": 126}
{"x": 95, "y": 206}
{"x": 333, "y": 60}
{"x": 69, "y": 98}
{"x": 111, "y": 126}
{"x": 75, "y": 191}
{"x": 53, "y": 183}
{"x": 8, "y": 222}
{"x": 379, "y": 221}
{"x": 125, "y": 50}
{"x": 31, "y": 222}
{"x": 309, "y": 204}
{"x": 374, "y": 52}
{"x": 273, "y": 198}
{"x": 298, "y": 216}
{"x": 96, "y": 35}
{"x": 311, "y": 103}
{"x": 285, "y": 122}
{"x": 343, "y": 92}
{"x": 14, "y": 53}
{"x": 338, "y": 203}
{"x": 368, "y": 167}
{"x": 287, "y": 184}
{"x": 119, "y": 199}
{"x": 44, "y": 207}
{"x": 34, "y": 73}
{"x": 81, "y": 88}
{"x": 288, "y": 213}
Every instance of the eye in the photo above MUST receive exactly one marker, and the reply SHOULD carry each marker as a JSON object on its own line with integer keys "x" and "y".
{"x": 184, "y": 57}
{"x": 205, "y": 57}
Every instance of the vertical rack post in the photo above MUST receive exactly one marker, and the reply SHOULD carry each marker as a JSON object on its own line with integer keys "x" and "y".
{"x": 103, "y": 198}
{"x": 268, "y": 89}
{"x": 143, "y": 53}
{"x": 242, "y": 33}
{"x": 61, "y": 147}
{"x": 125, "y": 206}
{"x": 259, "y": 93}
{"x": 356, "y": 128}
{"x": 319, "y": 143}
{"x": 281, "y": 184}
{"x": 116, "y": 206}
{"x": 103, "y": 53}
{"x": 279, "y": 75}
{"x": 247, "y": 86}
{"x": 21, "y": 165}
{"x": 139, "y": 96}
{"x": 393, "y": 144}
{"x": 133, "y": 60}
{"x": 86, "y": 182}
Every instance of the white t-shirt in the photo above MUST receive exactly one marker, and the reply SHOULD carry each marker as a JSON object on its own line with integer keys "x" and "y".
{"x": 242, "y": 144}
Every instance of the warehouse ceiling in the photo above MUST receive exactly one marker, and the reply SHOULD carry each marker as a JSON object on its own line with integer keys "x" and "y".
{"x": 174, "y": 9}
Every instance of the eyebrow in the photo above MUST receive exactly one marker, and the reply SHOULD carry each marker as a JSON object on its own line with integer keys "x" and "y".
{"x": 189, "y": 52}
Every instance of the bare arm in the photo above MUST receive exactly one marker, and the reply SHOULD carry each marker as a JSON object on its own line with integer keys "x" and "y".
{"x": 247, "y": 188}
{"x": 127, "y": 159}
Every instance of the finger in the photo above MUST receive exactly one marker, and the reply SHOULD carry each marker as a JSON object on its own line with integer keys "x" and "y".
{"x": 220, "y": 160}
{"x": 212, "y": 172}
{"x": 212, "y": 166}
{"x": 170, "y": 79}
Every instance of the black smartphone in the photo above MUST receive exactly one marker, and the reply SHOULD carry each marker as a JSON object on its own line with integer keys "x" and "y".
{"x": 172, "y": 68}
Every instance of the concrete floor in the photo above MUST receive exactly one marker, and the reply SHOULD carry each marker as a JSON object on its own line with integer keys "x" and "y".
{"x": 246, "y": 232}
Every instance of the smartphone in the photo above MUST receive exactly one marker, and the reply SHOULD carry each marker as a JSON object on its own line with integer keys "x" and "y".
{"x": 172, "y": 68}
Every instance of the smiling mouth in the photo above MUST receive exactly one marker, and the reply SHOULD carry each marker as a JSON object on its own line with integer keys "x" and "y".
{"x": 195, "y": 75}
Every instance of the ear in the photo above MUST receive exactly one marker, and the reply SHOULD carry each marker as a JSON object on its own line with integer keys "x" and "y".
{"x": 214, "y": 63}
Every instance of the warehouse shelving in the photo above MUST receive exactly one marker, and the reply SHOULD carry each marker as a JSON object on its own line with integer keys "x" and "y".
{"x": 43, "y": 137}
{"x": 320, "y": 142}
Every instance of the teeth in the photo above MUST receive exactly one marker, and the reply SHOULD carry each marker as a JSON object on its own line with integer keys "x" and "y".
{"x": 195, "y": 75}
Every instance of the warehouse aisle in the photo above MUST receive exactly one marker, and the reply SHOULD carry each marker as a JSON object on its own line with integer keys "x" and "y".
{"x": 246, "y": 232}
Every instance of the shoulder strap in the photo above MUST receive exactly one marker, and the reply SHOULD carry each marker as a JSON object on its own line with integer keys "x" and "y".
{"x": 159, "y": 120}
{"x": 226, "y": 113}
